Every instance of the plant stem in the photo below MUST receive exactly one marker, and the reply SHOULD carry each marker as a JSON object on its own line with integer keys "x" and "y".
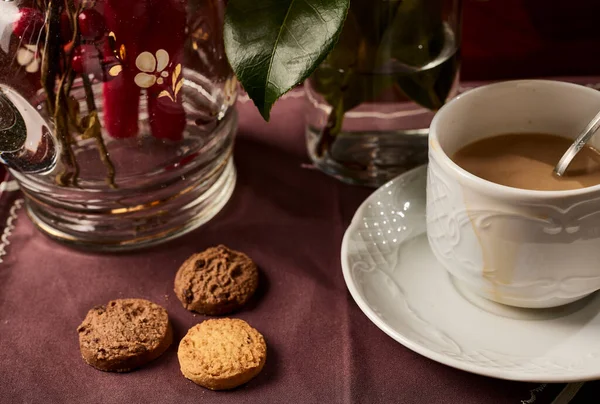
{"x": 102, "y": 150}
{"x": 62, "y": 132}
{"x": 89, "y": 96}
{"x": 72, "y": 14}
{"x": 328, "y": 134}
{"x": 58, "y": 97}
{"x": 56, "y": 101}
{"x": 51, "y": 53}
{"x": 333, "y": 127}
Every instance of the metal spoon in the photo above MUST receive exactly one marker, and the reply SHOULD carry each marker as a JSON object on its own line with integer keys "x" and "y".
{"x": 577, "y": 145}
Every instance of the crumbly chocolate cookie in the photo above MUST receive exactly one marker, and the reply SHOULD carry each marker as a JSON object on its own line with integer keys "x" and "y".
{"x": 124, "y": 335}
{"x": 216, "y": 281}
{"x": 222, "y": 354}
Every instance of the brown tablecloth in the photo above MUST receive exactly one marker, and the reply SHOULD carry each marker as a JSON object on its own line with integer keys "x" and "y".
{"x": 290, "y": 219}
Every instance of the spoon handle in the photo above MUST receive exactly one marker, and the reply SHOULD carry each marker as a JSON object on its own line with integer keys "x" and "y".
{"x": 577, "y": 145}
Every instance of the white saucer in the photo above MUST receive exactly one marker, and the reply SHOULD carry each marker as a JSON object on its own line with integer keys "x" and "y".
{"x": 396, "y": 281}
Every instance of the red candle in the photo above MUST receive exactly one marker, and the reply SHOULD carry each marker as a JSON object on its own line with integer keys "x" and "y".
{"x": 165, "y": 39}
{"x": 127, "y": 20}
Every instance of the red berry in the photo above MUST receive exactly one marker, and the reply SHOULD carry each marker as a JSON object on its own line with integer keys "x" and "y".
{"x": 29, "y": 24}
{"x": 77, "y": 61}
{"x": 91, "y": 24}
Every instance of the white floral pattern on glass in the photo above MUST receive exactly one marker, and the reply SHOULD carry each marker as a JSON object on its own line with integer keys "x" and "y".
{"x": 29, "y": 58}
{"x": 152, "y": 68}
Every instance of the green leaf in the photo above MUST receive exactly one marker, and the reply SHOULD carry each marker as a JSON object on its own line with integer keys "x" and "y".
{"x": 416, "y": 35}
{"x": 374, "y": 18}
{"x": 414, "y": 39}
{"x": 273, "y": 45}
{"x": 386, "y": 49}
{"x": 339, "y": 78}
{"x": 430, "y": 88}
{"x": 384, "y": 46}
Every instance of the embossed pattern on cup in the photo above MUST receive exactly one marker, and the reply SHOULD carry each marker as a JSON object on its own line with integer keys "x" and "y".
{"x": 518, "y": 247}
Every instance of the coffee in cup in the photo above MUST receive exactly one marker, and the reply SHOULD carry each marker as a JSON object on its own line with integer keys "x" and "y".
{"x": 527, "y": 160}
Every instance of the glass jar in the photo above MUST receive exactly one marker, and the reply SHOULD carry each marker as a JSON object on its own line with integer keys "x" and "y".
{"x": 369, "y": 105}
{"x": 117, "y": 117}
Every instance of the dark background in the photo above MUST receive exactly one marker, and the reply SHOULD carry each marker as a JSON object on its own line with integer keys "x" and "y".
{"x": 506, "y": 39}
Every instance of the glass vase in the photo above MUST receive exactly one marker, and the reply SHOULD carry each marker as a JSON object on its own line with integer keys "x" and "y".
{"x": 369, "y": 105}
{"x": 116, "y": 116}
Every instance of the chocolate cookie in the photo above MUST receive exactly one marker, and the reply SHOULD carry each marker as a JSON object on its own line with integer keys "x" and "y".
{"x": 222, "y": 354}
{"x": 124, "y": 335}
{"x": 217, "y": 281}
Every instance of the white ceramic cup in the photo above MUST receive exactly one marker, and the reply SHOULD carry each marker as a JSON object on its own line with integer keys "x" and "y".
{"x": 534, "y": 249}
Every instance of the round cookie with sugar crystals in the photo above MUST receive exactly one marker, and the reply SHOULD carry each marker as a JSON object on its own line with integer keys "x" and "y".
{"x": 124, "y": 335}
{"x": 216, "y": 281}
{"x": 222, "y": 354}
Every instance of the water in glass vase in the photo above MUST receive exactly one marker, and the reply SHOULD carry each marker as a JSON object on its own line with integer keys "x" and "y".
{"x": 116, "y": 117}
{"x": 157, "y": 180}
{"x": 374, "y": 125}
